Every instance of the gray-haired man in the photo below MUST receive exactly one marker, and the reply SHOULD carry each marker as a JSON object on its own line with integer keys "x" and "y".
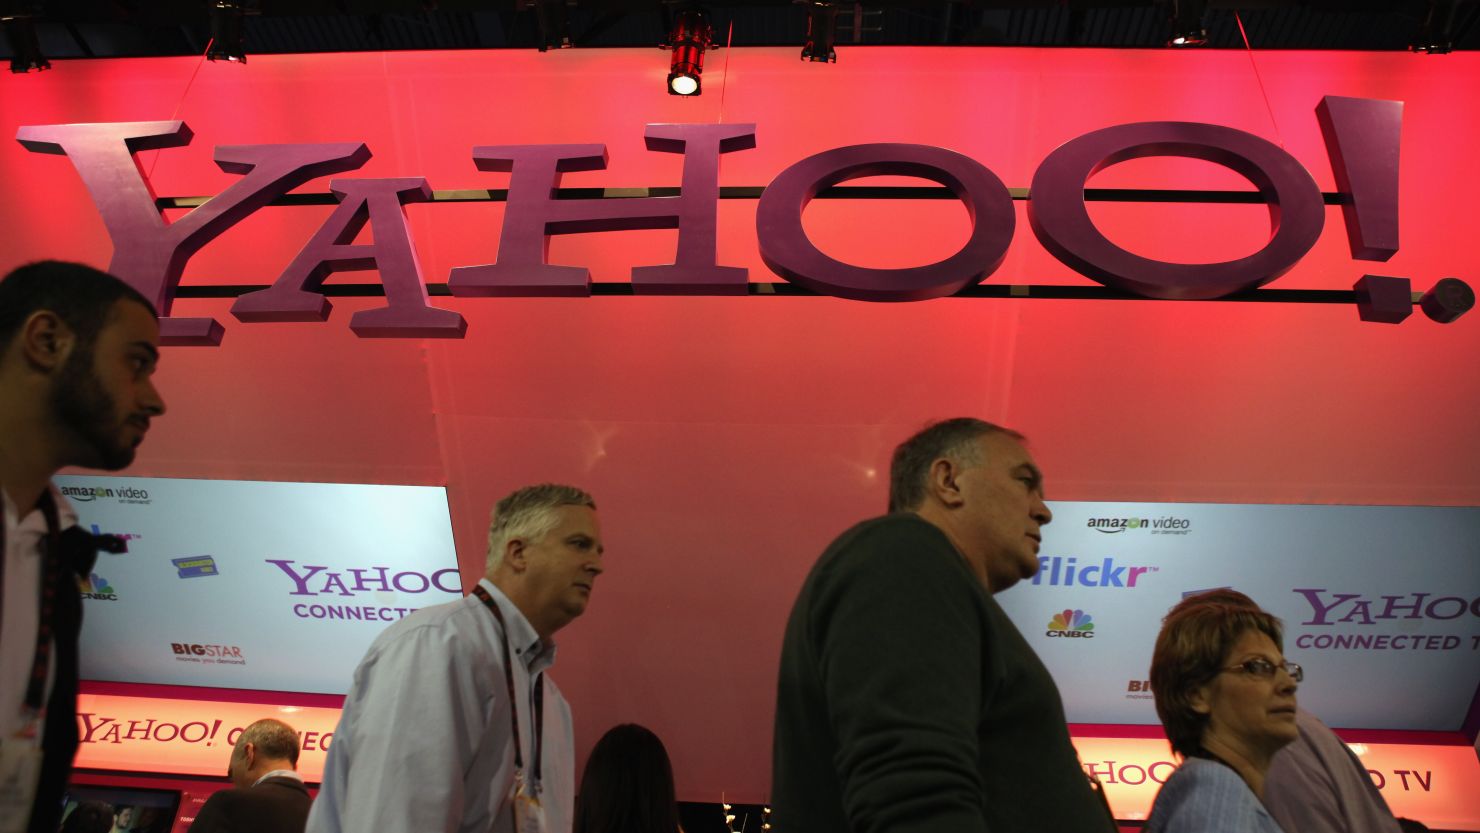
{"x": 451, "y": 723}
{"x": 907, "y": 701}
{"x": 267, "y": 794}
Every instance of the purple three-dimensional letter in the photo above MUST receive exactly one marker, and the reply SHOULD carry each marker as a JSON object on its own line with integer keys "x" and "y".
{"x": 533, "y": 214}
{"x": 150, "y": 254}
{"x": 1059, "y": 217}
{"x": 295, "y": 297}
{"x": 786, "y": 248}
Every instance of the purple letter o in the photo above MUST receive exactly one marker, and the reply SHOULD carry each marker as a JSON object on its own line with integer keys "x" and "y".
{"x": 1058, "y": 215}
{"x": 787, "y": 250}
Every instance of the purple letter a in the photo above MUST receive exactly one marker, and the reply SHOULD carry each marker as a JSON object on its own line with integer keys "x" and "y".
{"x": 147, "y": 252}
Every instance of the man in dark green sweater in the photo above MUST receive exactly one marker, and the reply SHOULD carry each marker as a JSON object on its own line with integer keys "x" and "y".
{"x": 907, "y": 699}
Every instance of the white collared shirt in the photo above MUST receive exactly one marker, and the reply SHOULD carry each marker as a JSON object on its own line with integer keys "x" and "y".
{"x": 22, "y": 611}
{"x": 279, "y": 773}
{"x": 425, "y": 743}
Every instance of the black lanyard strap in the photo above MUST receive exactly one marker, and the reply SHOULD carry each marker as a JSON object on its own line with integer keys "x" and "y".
{"x": 538, "y": 724}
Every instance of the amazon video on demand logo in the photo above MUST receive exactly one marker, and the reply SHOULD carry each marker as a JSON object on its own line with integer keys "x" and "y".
{"x": 1158, "y": 526}
{"x": 87, "y": 494}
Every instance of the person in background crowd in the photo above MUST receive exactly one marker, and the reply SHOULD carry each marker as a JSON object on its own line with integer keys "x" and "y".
{"x": 1316, "y": 784}
{"x": 1226, "y": 697}
{"x": 123, "y": 820}
{"x": 907, "y": 700}
{"x": 627, "y": 786}
{"x": 89, "y": 817}
{"x": 78, "y": 349}
{"x": 267, "y": 795}
{"x": 452, "y": 723}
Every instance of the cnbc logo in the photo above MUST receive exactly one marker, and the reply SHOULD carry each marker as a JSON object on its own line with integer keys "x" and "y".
{"x": 1071, "y": 624}
{"x": 1167, "y": 525}
{"x": 97, "y": 587}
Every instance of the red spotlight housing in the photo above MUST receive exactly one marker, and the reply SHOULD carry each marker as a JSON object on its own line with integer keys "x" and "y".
{"x": 690, "y": 36}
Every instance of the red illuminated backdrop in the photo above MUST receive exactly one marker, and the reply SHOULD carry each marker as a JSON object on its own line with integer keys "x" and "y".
{"x": 728, "y": 439}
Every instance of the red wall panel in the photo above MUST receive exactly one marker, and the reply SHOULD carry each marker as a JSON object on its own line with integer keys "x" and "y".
{"x": 728, "y": 439}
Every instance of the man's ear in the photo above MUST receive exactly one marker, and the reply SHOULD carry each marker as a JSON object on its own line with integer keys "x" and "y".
{"x": 514, "y": 555}
{"x": 249, "y": 756}
{"x": 941, "y": 482}
{"x": 46, "y": 341}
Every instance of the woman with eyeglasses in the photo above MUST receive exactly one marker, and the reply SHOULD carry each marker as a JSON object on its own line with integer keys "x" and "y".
{"x": 1226, "y": 697}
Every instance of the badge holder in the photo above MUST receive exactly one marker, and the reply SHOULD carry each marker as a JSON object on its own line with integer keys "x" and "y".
{"x": 529, "y": 811}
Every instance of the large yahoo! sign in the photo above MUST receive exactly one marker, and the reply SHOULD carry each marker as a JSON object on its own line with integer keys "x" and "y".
{"x": 1362, "y": 136}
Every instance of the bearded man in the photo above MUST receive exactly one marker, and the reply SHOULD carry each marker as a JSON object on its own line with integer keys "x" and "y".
{"x": 78, "y": 348}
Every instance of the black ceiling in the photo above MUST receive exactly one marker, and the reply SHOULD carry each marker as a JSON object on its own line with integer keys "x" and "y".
{"x": 134, "y": 28}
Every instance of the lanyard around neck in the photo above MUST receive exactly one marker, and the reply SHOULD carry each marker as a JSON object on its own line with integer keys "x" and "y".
{"x": 51, "y": 576}
{"x": 537, "y": 725}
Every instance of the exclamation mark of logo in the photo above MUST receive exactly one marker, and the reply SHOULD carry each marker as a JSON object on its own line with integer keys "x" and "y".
{"x": 1362, "y": 138}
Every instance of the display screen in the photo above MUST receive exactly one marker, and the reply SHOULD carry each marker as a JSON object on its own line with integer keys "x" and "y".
{"x": 93, "y": 809}
{"x": 1380, "y": 604}
{"x": 241, "y": 584}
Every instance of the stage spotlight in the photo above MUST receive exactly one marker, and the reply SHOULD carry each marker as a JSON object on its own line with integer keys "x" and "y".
{"x": 1436, "y": 35}
{"x": 822, "y": 32}
{"x": 690, "y": 36}
{"x": 228, "y": 31}
{"x": 25, "y": 48}
{"x": 1186, "y": 26}
{"x": 554, "y": 21}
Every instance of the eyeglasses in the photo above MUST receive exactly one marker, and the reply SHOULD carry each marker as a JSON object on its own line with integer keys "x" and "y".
{"x": 1264, "y": 669}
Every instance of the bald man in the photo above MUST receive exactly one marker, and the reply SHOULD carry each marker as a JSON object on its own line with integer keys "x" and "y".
{"x": 268, "y": 796}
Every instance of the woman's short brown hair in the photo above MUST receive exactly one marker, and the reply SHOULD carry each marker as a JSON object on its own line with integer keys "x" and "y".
{"x": 1190, "y": 651}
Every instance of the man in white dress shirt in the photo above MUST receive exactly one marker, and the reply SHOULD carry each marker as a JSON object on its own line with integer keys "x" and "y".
{"x": 77, "y": 352}
{"x": 451, "y": 723}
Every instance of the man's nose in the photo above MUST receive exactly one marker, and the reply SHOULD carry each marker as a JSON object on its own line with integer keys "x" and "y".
{"x": 151, "y": 401}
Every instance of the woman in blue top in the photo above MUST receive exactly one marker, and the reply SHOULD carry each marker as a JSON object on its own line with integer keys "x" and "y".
{"x": 1226, "y": 698}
